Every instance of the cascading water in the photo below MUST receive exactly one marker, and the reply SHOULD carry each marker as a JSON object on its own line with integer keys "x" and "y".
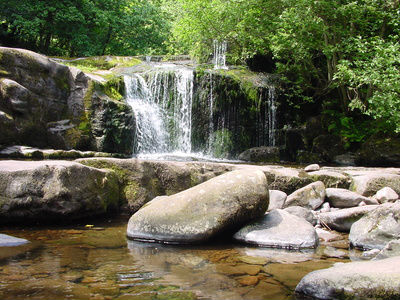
{"x": 162, "y": 104}
{"x": 270, "y": 116}
{"x": 220, "y": 54}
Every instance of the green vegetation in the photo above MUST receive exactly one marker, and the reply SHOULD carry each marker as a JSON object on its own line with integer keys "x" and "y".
{"x": 340, "y": 55}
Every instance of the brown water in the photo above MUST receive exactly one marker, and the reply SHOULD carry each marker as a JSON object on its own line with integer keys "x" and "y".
{"x": 100, "y": 263}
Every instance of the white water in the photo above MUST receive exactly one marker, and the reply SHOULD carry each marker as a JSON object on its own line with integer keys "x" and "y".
{"x": 270, "y": 116}
{"x": 162, "y": 104}
{"x": 220, "y": 54}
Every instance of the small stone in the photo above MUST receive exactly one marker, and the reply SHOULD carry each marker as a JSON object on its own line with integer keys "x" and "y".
{"x": 249, "y": 280}
{"x": 312, "y": 168}
{"x": 362, "y": 203}
{"x": 325, "y": 207}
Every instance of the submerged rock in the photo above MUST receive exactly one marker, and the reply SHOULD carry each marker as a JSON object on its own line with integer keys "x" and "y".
{"x": 377, "y": 228}
{"x": 359, "y": 280}
{"x": 48, "y": 190}
{"x": 200, "y": 213}
{"x": 311, "y": 196}
{"x": 342, "y": 220}
{"x": 279, "y": 229}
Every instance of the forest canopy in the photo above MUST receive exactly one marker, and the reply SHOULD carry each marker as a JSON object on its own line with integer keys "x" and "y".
{"x": 344, "y": 54}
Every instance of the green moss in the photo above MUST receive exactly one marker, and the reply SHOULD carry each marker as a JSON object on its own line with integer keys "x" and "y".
{"x": 102, "y": 63}
{"x": 131, "y": 190}
{"x": 113, "y": 88}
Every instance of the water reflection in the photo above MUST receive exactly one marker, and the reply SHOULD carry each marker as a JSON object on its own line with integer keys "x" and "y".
{"x": 76, "y": 263}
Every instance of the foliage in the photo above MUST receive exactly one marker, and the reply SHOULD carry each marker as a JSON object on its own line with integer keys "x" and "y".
{"x": 83, "y": 27}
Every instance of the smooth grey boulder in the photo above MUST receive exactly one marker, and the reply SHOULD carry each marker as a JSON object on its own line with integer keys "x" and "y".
{"x": 276, "y": 199}
{"x": 368, "y": 184}
{"x": 342, "y": 220}
{"x": 343, "y": 198}
{"x": 221, "y": 204}
{"x": 378, "y": 279}
{"x": 11, "y": 241}
{"x": 311, "y": 168}
{"x": 377, "y": 228}
{"x": 311, "y": 196}
{"x": 302, "y": 212}
{"x": 54, "y": 190}
{"x": 386, "y": 194}
{"x": 279, "y": 229}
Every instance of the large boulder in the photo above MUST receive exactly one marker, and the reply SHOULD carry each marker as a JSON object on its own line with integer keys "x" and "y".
{"x": 54, "y": 190}
{"x": 380, "y": 150}
{"x": 342, "y": 220}
{"x": 279, "y": 229}
{"x": 369, "y": 183}
{"x": 343, "y": 198}
{"x": 356, "y": 280}
{"x": 221, "y": 204}
{"x": 261, "y": 154}
{"x": 330, "y": 178}
{"x": 311, "y": 196}
{"x": 377, "y": 228}
{"x": 47, "y": 104}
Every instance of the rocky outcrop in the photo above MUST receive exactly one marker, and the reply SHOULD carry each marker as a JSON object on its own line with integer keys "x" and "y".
{"x": 279, "y": 229}
{"x": 342, "y": 220}
{"x": 221, "y": 204}
{"x": 343, "y": 198}
{"x": 311, "y": 196}
{"x": 261, "y": 154}
{"x": 54, "y": 190}
{"x": 377, "y": 228}
{"x": 357, "y": 280}
{"x": 46, "y": 104}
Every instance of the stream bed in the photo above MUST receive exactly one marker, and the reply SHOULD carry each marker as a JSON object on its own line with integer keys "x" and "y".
{"x": 96, "y": 261}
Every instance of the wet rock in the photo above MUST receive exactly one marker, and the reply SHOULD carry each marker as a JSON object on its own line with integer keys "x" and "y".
{"x": 391, "y": 249}
{"x": 311, "y": 196}
{"x": 302, "y": 212}
{"x": 54, "y": 190}
{"x": 276, "y": 199}
{"x": 312, "y": 168}
{"x": 11, "y": 241}
{"x": 368, "y": 184}
{"x": 253, "y": 260}
{"x": 377, "y": 228}
{"x": 363, "y": 280}
{"x": 342, "y": 220}
{"x": 386, "y": 194}
{"x": 343, "y": 198}
{"x": 279, "y": 229}
{"x": 200, "y": 213}
{"x": 261, "y": 154}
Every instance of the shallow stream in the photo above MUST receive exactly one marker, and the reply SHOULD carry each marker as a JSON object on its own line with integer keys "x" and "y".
{"x": 98, "y": 262}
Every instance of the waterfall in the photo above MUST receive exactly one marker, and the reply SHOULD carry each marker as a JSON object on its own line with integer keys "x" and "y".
{"x": 220, "y": 54}
{"x": 270, "y": 116}
{"x": 162, "y": 104}
{"x": 211, "y": 135}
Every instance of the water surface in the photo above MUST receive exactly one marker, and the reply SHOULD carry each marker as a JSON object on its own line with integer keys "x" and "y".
{"x": 98, "y": 262}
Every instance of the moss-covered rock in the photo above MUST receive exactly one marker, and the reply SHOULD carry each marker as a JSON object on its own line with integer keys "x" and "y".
{"x": 380, "y": 150}
{"x": 261, "y": 154}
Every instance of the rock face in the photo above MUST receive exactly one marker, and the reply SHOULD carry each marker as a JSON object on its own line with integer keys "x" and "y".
{"x": 261, "y": 154}
{"x": 46, "y": 104}
{"x": 279, "y": 229}
{"x": 359, "y": 280}
{"x": 11, "y": 241}
{"x": 311, "y": 196}
{"x": 342, "y": 220}
{"x": 204, "y": 211}
{"x": 343, "y": 198}
{"x": 48, "y": 190}
{"x": 377, "y": 228}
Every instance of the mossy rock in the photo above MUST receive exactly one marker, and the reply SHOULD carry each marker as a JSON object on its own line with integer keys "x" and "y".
{"x": 380, "y": 150}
